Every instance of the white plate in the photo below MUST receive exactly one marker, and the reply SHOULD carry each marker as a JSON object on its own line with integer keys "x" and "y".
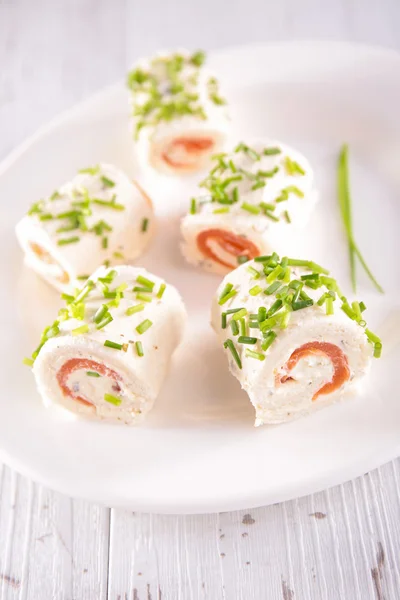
{"x": 198, "y": 450}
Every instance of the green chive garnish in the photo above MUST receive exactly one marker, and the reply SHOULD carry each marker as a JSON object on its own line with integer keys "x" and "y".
{"x": 251, "y": 208}
{"x": 223, "y": 320}
{"x": 108, "y": 204}
{"x": 268, "y": 339}
{"x": 107, "y": 182}
{"x": 239, "y": 314}
{"x": 92, "y": 374}
{"x": 221, "y": 211}
{"x": 287, "y": 217}
{"x": 256, "y": 274}
{"x": 252, "y": 354}
{"x": 107, "y": 319}
{"x": 80, "y": 330}
{"x": 372, "y": 337}
{"x": 234, "y": 327}
{"x": 226, "y": 290}
{"x": 134, "y": 309}
{"x": 146, "y": 282}
{"x": 112, "y": 399}
{"x": 115, "y": 345}
{"x": 28, "y": 362}
{"x": 139, "y": 348}
{"x": 271, "y": 151}
{"x": 144, "y": 326}
{"x": 229, "y": 344}
{"x": 255, "y": 290}
{"x": 90, "y": 170}
{"x": 245, "y": 339}
{"x": 104, "y": 242}
{"x": 193, "y": 208}
{"x": 161, "y": 291}
{"x": 143, "y": 297}
{"x": 71, "y": 240}
{"x": 346, "y": 212}
{"x": 329, "y": 306}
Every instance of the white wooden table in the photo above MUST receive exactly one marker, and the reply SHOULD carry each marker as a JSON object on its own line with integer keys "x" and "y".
{"x": 339, "y": 544}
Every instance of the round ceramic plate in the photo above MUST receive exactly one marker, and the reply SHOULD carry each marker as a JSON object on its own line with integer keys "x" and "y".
{"x": 198, "y": 450}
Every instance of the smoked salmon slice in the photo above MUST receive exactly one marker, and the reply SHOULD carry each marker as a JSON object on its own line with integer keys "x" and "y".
{"x": 341, "y": 371}
{"x": 192, "y": 146}
{"x": 229, "y": 242}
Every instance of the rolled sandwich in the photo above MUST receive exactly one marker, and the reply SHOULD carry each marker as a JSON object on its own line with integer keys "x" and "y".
{"x": 292, "y": 339}
{"x": 179, "y": 116}
{"x": 99, "y": 217}
{"x": 251, "y": 202}
{"x": 108, "y": 352}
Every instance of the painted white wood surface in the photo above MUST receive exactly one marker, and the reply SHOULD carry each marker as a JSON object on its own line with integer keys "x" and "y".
{"x": 340, "y": 544}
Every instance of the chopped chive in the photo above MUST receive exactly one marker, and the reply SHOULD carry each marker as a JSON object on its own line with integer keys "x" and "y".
{"x": 372, "y": 337}
{"x": 146, "y": 282}
{"x": 143, "y": 297}
{"x": 377, "y": 350}
{"x": 232, "y": 311}
{"x": 255, "y": 290}
{"x": 193, "y": 209}
{"x": 229, "y": 344}
{"x": 144, "y": 326}
{"x": 100, "y": 314}
{"x": 242, "y": 259}
{"x": 145, "y": 224}
{"x": 356, "y": 307}
{"x": 242, "y": 327}
{"x": 235, "y": 194}
{"x": 251, "y": 208}
{"x": 272, "y": 288}
{"x": 220, "y": 211}
{"x": 161, "y": 291}
{"x": 262, "y": 314}
{"x": 292, "y": 167}
{"x": 92, "y": 374}
{"x": 90, "y": 170}
{"x": 268, "y": 339}
{"x": 104, "y": 242}
{"x": 262, "y": 259}
{"x": 226, "y": 290}
{"x": 107, "y": 319}
{"x": 329, "y": 306}
{"x": 134, "y": 309}
{"x": 71, "y": 240}
{"x": 299, "y": 304}
{"x": 245, "y": 339}
{"x": 139, "y": 288}
{"x": 266, "y": 206}
{"x": 287, "y": 217}
{"x": 274, "y": 274}
{"x": 80, "y": 330}
{"x": 107, "y": 182}
{"x": 46, "y": 217}
{"x": 271, "y": 151}
{"x": 55, "y": 195}
{"x": 223, "y": 320}
{"x": 114, "y": 345}
{"x": 239, "y": 314}
{"x": 362, "y": 307}
{"x": 112, "y": 399}
{"x": 139, "y": 348}
{"x": 254, "y": 325}
{"x": 257, "y": 355}
{"x": 28, "y": 362}
{"x": 277, "y": 305}
{"x": 227, "y": 297}
{"x": 108, "y": 204}
{"x": 83, "y": 277}
{"x": 271, "y": 216}
{"x": 258, "y": 185}
{"x": 118, "y": 254}
{"x": 256, "y": 274}
{"x": 234, "y": 327}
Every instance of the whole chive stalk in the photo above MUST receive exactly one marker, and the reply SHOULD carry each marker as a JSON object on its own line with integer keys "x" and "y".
{"x": 229, "y": 344}
{"x": 346, "y": 213}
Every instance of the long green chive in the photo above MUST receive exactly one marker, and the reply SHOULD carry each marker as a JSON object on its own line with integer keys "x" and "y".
{"x": 71, "y": 240}
{"x": 245, "y": 339}
{"x": 80, "y": 330}
{"x": 139, "y": 348}
{"x": 225, "y": 299}
{"x": 134, "y": 309}
{"x": 251, "y": 208}
{"x": 229, "y": 344}
{"x": 193, "y": 205}
{"x": 144, "y": 326}
{"x": 268, "y": 339}
{"x": 143, "y": 297}
{"x": 255, "y": 290}
{"x": 92, "y": 374}
{"x": 161, "y": 290}
{"x": 239, "y": 314}
{"x": 252, "y": 354}
{"x": 114, "y": 345}
{"x": 345, "y": 209}
{"x": 256, "y": 274}
{"x": 223, "y": 320}
{"x": 107, "y": 182}
{"x": 271, "y": 151}
{"x": 112, "y": 399}
{"x": 234, "y": 327}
